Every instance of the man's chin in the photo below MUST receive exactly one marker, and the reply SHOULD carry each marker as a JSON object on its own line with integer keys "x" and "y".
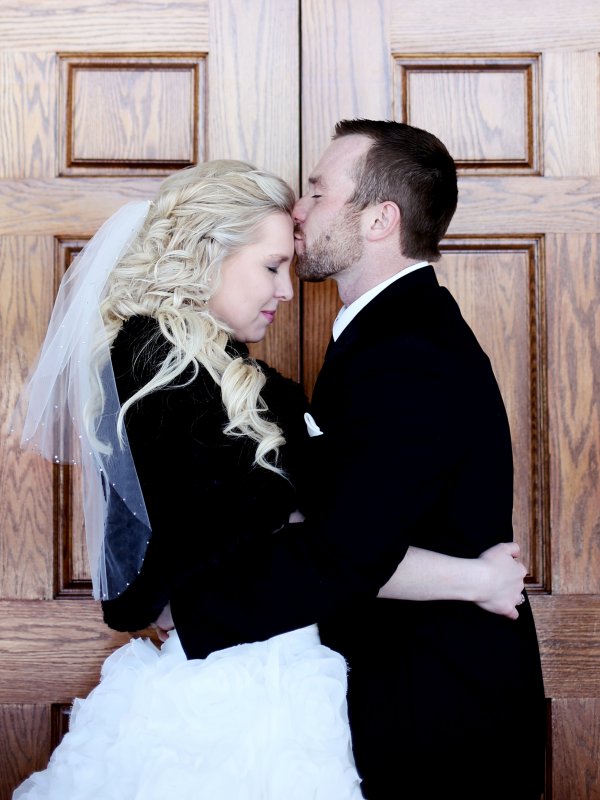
{"x": 307, "y": 270}
{"x": 312, "y": 278}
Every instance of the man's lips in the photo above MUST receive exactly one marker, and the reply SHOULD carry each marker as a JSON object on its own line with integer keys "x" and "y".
{"x": 270, "y": 315}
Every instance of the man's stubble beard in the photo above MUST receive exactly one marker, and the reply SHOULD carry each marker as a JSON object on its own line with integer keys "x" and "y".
{"x": 332, "y": 252}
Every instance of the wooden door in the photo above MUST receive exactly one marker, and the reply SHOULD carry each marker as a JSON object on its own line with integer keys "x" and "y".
{"x": 98, "y": 101}
{"x": 513, "y": 89}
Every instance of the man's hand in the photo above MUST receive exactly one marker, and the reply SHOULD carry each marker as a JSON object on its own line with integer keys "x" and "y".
{"x": 164, "y": 623}
{"x": 504, "y": 577}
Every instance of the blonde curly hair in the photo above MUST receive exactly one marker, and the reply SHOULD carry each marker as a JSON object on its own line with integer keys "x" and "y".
{"x": 201, "y": 215}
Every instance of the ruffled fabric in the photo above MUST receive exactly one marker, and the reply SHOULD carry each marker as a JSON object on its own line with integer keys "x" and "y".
{"x": 261, "y": 721}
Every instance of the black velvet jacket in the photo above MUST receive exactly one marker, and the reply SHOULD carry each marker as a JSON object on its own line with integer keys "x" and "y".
{"x": 206, "y": 501}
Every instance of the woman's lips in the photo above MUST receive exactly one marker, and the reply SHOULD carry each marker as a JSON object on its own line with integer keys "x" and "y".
{"x": 270, "y": 315}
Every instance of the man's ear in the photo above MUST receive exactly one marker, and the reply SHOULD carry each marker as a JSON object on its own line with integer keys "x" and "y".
{"x": 384, "y": 220}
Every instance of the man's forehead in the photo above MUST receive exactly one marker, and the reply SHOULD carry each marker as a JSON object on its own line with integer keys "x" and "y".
{"x": 339, "y": 159}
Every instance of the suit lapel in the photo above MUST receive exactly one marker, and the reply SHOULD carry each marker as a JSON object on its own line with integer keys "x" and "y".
{"x": 397, "y": 302}
{"x": 391, "y": 309}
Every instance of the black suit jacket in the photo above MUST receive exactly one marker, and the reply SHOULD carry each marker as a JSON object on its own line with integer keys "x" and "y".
{"x": 415, "y": 450}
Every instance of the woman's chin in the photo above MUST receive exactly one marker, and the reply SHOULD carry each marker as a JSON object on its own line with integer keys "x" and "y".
{"x": 250, "y": 337}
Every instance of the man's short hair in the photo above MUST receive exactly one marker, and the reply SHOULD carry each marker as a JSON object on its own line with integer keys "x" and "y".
{"x": 412, "y": 168}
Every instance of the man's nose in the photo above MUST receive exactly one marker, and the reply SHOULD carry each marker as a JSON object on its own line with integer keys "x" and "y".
{"x": 299, "y": 210}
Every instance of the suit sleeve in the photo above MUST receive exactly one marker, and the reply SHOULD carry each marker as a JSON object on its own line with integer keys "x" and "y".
{"x": 378, "y": 479}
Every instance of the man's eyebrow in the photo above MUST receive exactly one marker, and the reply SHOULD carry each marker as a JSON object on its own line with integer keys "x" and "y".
{"x": 313, "y": 180}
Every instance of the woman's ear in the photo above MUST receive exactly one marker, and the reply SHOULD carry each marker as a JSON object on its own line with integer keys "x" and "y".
{"x": 384, "y": 219}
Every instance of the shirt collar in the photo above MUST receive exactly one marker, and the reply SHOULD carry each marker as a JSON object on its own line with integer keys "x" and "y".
{"x": 347, "y": 313}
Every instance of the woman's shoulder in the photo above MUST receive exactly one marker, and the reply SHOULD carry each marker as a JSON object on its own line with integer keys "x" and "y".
{"x": 139, "y": 347}
{"x": 137, "y": 354}
{"x": 282, "y": 394}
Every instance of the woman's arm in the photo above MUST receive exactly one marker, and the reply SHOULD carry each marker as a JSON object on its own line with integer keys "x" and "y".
{"x": 494, "y": 581}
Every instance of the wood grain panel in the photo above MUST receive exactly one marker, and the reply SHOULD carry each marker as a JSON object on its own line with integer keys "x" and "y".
{"x": 525, "y": 205}
{"x": 112, "y": 26}
{"x": 343, "y": 76}
{"x": 321, "y": 305}
{"x": 128, "y": 114}
{"x": 476, "y": 26}
{"x": 107, "y": 129}
{"x": 486, "y": 205}
{"x": 347, "y": 76}
{"x": 55, "y": 207}
{"x": 572, "y": 112}
{"x": 254, "y": 93}
{"x": 575, "y": 731}
{"x": 246, "y": 128}
{"x": 484, "y": 109}
{"x": 60, "y": 715}
{"x": 28, "y": 130}
{"x": 25, "y": 736}
{"x": 569, "y": 643}
{"x": 574, "y": 409}
{"x": 499, "y": 286}
{"x": 51, "y": 651}
{"x": 26, "y": 557}
{"x": 560, "y": 209}
{"x": 72, "y": 574}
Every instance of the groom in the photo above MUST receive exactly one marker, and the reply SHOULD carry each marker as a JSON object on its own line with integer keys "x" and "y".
{"x": 412, "y": 447}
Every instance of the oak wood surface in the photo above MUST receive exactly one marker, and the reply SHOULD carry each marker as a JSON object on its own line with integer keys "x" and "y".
{"x": 25, "y": 732}
{"x": 279, "y": 74}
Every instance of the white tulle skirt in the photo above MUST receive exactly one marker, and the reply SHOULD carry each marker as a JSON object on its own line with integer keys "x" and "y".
{"x": 264, "y": 721}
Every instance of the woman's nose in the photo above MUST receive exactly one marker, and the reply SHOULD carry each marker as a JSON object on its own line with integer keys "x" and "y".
{"x": 285, "y": 288}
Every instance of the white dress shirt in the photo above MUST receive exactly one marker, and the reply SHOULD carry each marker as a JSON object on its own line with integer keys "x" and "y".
{"x": 347, "y": 313}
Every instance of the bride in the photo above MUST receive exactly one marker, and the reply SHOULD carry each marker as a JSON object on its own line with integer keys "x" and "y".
{"x": 191, "y": 453}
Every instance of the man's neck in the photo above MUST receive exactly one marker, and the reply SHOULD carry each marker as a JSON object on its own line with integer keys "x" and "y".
{"x": 360, "y": 278}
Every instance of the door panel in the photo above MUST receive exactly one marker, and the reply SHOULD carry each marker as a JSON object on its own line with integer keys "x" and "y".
{"x": 85, "y": 128}
{"x": 513, "y": 89}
